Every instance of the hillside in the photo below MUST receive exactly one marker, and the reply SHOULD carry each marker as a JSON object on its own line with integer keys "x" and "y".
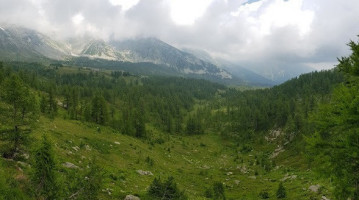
{"x": 197, "y": 132}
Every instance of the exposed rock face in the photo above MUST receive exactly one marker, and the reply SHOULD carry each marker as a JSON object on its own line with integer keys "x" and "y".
{"x": 131, "y": 197}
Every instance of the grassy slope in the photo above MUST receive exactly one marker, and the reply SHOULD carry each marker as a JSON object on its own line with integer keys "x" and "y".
{"x": 194, "y": 161}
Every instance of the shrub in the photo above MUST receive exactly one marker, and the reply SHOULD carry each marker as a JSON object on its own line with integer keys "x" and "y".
{"x": 165, "y": 190}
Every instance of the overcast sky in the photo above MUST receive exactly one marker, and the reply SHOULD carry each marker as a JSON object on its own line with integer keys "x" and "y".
{"x": 255, "y": 32}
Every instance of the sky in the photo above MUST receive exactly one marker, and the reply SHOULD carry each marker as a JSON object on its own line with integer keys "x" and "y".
{"x": 255, "y": 33}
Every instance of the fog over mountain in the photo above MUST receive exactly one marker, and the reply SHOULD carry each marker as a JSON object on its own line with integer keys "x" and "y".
{"x": 276, "y": 38}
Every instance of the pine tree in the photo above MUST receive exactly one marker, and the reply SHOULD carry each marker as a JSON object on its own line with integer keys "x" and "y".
{"x": 335, "y": 144}
{"x": 92, "y": 183}
{"x": 218, "y": 191}
{"x": 99, "y": 111}
{"x": 44, "y": 176}
{"x": 166, "y": 190}
{"x": 23, "y": 110}
{"x": 281, "y": 193}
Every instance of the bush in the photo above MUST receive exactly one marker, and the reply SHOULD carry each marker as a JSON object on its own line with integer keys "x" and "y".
{"x": 264, "y": 195}
{"x": 166, "y": 190}
{"x": 218, "y": 191}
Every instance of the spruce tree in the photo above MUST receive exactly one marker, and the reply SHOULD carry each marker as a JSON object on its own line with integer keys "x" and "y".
{"x": 335, "y": 144}
{"x": 44, "y": 176}
{"x": 281, "y": 193}
{"x": 22, "y": 111}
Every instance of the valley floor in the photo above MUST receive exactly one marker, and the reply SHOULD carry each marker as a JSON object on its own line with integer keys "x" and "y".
{"x": 196, "y": 162}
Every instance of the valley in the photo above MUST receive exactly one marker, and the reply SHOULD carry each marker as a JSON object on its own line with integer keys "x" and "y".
{"x": 137, "y": 128}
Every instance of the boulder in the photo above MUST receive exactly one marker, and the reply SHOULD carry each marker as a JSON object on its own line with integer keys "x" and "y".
{"x": 314, "y": 188}
{"x": 131, "y": 197}
{"x": 229, "y": 173}
{"x": 76, "y": 148}
{"x": 69, "y": 165}
{"x": 141, "y": 172}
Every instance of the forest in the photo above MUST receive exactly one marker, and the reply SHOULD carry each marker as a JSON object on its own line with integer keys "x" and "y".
{"x": 47, "y": 111}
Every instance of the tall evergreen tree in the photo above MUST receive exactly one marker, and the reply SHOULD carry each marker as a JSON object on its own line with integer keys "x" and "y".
{"x": 44, "y": 176}
{"x": 335, "y": 145}
{"x": 281, "y": 193}
{"x": 23, "y": 110}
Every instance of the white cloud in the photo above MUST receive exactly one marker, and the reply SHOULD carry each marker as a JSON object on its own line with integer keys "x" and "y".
{"x": 266, "y": 15}
{"x": 125, "y": 4}
{"x": 185, "y": 12}
{"x": 77, "y": 19}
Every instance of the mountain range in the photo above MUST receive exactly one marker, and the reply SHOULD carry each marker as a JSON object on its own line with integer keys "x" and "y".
{"x": 140, "y": 55}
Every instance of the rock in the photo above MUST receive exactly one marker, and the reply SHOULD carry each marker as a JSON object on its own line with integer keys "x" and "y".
{"x": 237, "y": 182}
{"x": 131, "y": 197}
{"x": 25, "y": 156}
{"x": 229, "y": 173}
{"x": 288, "y": 177}
{"x": 243, "y": 169}
{"x": 276, "y": 152}
{"x": 87, "y": 147}
{"x": 141, "y": 172}
{"x": 76, "y": 148}
{"x": 70, "y": 165}
{"x": 314, "y": 188}
{"x": 23, "y": 164}
{"x": 206, "y": 167}
{"x": 325, "y": 198}
{"x": 118, "y": 143}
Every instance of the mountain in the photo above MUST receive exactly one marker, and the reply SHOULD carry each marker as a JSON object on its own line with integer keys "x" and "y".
{"x": 247, "y": 75}
{"x": 280, "y": 72}
{"x": 18, "y": 43}
{"x": 22, "y": 44}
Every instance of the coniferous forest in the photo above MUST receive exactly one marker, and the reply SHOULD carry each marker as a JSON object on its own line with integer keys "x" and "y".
{"x": 70, "y": 132}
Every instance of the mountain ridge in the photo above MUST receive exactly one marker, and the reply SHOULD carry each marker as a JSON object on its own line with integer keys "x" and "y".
{"x": 23, "y": 44}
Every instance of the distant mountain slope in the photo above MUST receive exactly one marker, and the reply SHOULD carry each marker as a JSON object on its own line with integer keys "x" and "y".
{"x": 18, "y": 43}
{"x": 158, "y": 52}
{"x": 246, "y": 75}
{"x": 22, "y": 44}
{"x": 281, "y": 72}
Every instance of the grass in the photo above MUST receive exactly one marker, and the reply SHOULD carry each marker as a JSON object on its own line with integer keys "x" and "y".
{"x": 196, "y": 162}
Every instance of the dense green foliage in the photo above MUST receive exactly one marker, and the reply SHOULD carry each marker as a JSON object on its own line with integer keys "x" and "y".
{"x": 286, "y": 106}
{"x": 335, "y": 144}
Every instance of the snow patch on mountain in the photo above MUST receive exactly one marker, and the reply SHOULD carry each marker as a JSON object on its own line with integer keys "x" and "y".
{"x": 224, "y": 74}
{"x": 190, "y": 71}
{"x": 2, "y": 28}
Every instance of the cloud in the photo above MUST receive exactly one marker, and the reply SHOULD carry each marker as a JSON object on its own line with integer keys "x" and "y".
{"x": 257, "y": 34}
